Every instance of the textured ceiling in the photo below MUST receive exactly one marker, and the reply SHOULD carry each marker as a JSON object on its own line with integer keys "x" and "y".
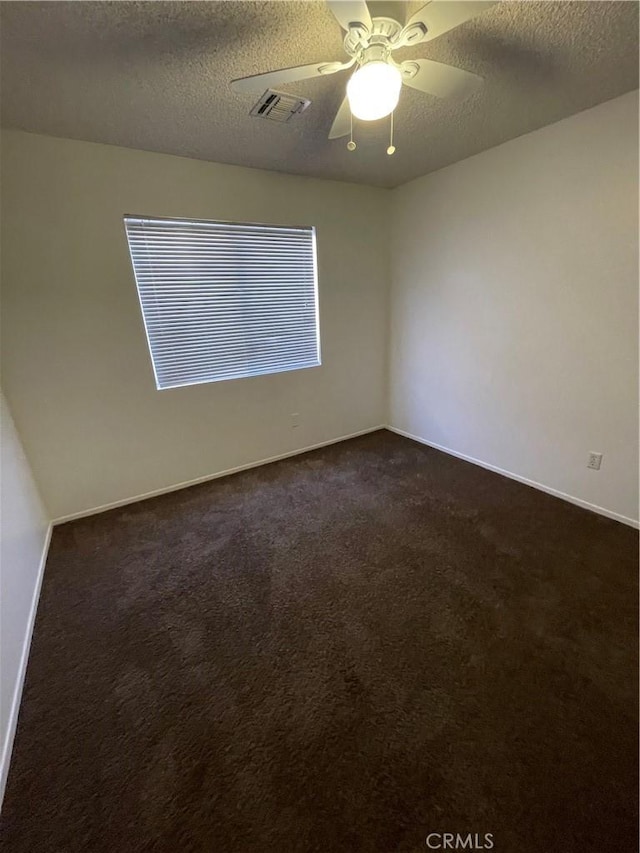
{"x": 155, "y": 76}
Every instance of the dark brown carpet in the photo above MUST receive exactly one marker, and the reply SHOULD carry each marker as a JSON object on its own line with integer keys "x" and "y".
{"x": 344, "y": 651}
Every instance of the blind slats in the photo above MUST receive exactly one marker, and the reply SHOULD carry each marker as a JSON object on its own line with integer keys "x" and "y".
{"x": 223, "y": 300}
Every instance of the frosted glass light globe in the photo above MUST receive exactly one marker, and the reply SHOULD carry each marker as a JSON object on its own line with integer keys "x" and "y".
{"x": 374, "y": 90}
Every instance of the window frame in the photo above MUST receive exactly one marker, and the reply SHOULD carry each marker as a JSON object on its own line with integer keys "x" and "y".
{"x": 226, "y": 222}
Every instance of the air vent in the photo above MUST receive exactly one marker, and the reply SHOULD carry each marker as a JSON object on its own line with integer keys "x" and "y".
{"x": 279, "y": 106}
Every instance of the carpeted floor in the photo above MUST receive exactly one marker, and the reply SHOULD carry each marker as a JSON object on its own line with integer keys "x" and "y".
{"x": 344, "y": 651}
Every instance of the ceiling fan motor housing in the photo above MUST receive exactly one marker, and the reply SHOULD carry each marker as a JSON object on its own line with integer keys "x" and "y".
{"x": 384, "y": 33}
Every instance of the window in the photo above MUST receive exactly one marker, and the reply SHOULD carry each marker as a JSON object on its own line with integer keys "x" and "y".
{"x": 225, "y": 301}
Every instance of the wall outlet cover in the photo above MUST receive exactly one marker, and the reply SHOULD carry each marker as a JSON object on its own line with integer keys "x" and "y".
{"x": 595, "y": 461}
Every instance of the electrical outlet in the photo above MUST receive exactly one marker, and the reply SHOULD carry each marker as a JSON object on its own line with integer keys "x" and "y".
{"x": 595, "y": 461}
{"x": 295, "y": 420}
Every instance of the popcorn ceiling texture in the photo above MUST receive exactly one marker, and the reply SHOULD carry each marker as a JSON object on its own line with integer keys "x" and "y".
{"x": 155, "y": 76}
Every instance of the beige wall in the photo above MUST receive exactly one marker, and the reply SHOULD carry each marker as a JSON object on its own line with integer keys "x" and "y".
{"x": 23, "y": 539}
{"x": 513, "y": 314}
{"x": 515, "y": 306}
{"x": 76, "y": 368}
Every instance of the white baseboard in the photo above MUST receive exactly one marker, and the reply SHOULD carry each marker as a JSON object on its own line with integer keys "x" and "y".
{"x": 7, "y": 747}
{"x": 550, "y": 491}
{"x": 185, "y": 485}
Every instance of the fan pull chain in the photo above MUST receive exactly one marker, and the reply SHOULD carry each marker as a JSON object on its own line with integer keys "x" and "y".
{"x": 392, "y": 147}
{"x": 351, "y": 146}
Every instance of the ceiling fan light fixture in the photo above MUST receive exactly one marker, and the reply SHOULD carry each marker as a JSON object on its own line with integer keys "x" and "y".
{"x": 373, "y": 91}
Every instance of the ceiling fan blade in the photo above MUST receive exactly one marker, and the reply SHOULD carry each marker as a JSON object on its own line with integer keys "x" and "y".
{"x": 342, "y": 123}
{"x": 349, "y": 13}
{"x": 260, "y": 82}
{"x": 439, "y": 17}
{"x": 435, "y": 78}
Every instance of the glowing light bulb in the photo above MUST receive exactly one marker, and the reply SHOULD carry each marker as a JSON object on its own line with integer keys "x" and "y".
{"x": 374, "y": 90}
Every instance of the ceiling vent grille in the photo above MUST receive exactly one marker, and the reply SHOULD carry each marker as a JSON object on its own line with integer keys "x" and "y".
{"x": 279, "y": 106}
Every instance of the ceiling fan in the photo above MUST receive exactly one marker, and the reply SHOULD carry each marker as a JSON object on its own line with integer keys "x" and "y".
{"x": 374, "y": 88}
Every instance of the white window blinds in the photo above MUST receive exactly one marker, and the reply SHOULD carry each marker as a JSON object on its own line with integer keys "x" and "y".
{"x": 225, "y": 301}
